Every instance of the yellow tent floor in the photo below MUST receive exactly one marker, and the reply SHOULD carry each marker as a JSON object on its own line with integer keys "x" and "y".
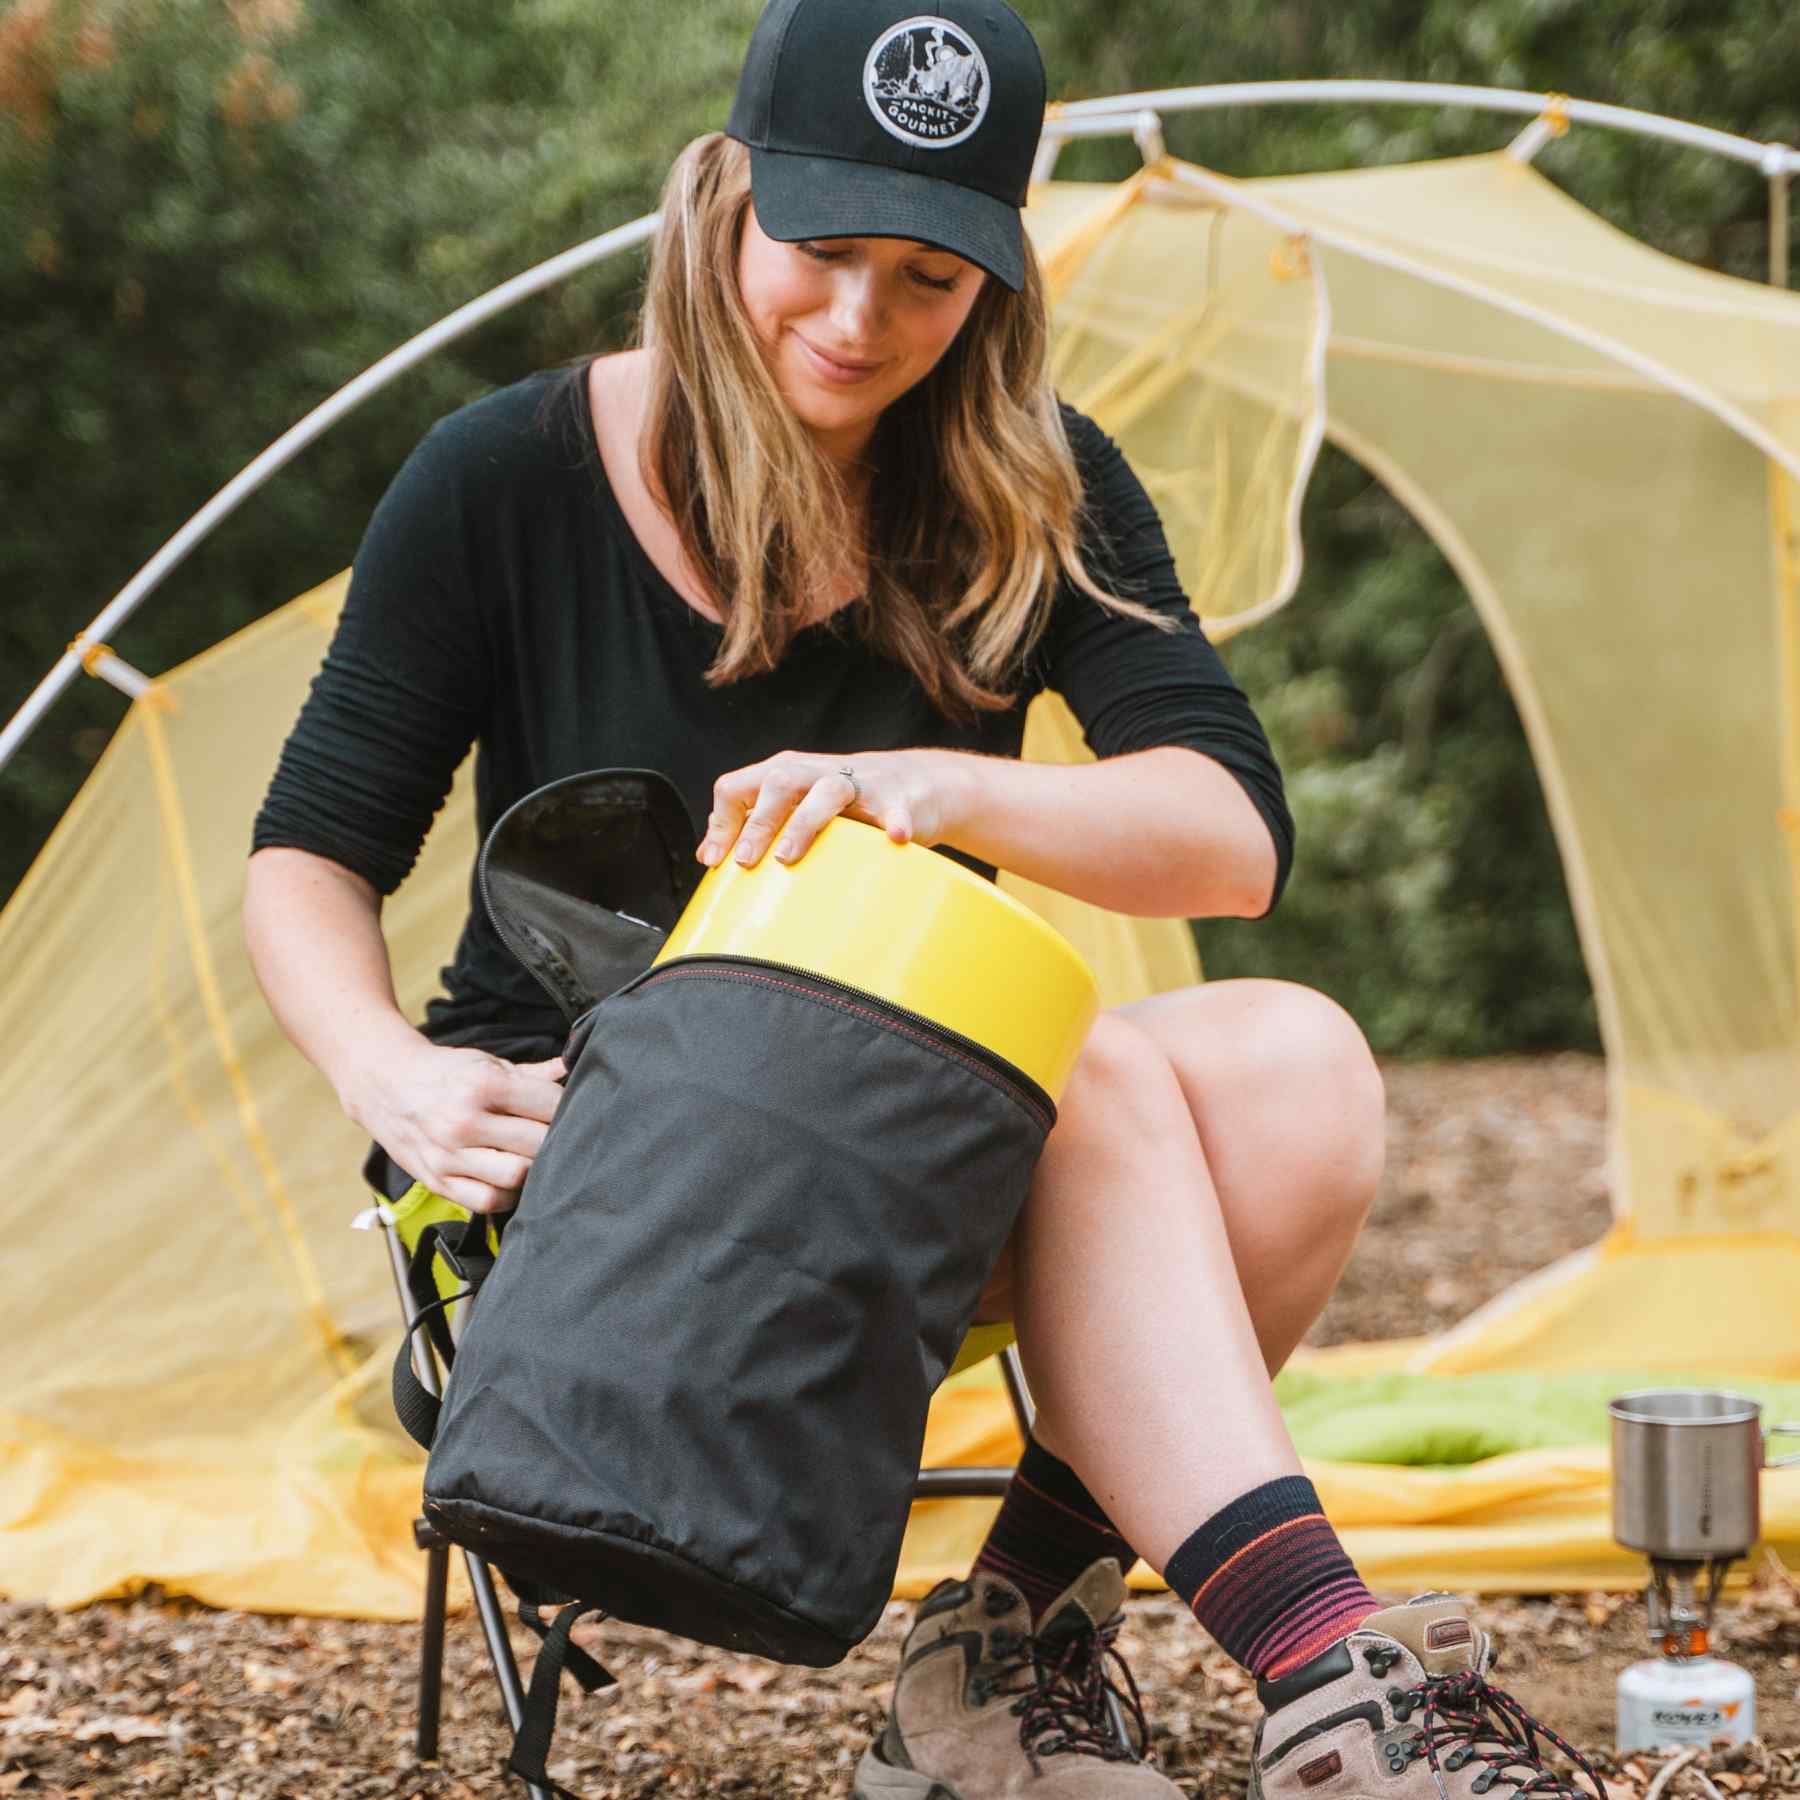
{"x": 1533, "y": 1521}
{"x": 329, "y": 1532}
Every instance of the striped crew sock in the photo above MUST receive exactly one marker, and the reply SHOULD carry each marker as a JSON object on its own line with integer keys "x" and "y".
{"x": 1048, "y": 1530}
{"x": 1269, "y": 1579}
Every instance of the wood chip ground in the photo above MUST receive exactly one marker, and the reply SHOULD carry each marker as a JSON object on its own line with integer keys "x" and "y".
{"x": 1494, "y": 1168}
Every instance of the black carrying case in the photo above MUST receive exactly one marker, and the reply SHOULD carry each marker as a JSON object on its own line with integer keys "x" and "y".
{"x": 693, "y": 1389}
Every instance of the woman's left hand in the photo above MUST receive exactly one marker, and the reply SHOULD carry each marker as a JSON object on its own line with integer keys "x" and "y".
{"x": 910, "y": 794}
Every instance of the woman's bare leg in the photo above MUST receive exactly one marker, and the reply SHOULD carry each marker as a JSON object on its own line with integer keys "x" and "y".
{"x": 1215, "y": 1143}
{"x": 1291, "y": 1113}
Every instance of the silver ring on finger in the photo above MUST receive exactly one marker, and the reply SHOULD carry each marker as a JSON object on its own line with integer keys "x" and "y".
{"x": 849, "y": 775}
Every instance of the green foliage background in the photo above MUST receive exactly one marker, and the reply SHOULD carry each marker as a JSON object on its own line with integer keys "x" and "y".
{"x": 218, "y": 211}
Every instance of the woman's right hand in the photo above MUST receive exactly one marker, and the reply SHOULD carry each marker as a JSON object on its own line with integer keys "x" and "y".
{"x": 464, "y": 1122}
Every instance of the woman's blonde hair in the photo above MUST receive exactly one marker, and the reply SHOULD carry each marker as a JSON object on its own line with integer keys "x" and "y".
{"x": 975, "y": 503}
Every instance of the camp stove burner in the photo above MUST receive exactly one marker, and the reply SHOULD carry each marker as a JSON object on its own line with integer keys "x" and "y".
{"x": 1686, "y": 1467}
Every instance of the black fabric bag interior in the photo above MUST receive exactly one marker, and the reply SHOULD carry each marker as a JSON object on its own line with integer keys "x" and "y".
{"x": 584, "y": 877}
{"x": 693, "y": 1388}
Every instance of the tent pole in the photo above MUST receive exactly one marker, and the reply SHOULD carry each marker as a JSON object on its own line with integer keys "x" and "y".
{"x": 1735, "y": 417}
{"x": 1552, "y": 122}
{"x": 1779, "y": 182}
{"x": 1099, "y": 118}
{"x": 1143, "y": 126}
{"x": 285, "y": 448}
{"x": 1768, "y": 157}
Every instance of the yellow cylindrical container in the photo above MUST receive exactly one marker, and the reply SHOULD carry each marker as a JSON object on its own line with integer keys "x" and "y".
{"x": 918, "y": 930}
{"x": 911, "y": 927}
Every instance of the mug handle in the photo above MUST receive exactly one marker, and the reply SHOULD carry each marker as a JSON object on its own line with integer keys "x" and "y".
{"x": 1781, "y": 1462}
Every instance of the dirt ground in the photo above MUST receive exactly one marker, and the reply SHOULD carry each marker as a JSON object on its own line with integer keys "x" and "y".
{"x": 1494, "y": 1168}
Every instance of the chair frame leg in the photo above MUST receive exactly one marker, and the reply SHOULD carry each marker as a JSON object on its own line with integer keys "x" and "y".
{"x": 932, "y": 1484}
{"x": 437, "y": 1572}
{"x": 971, "y": 1483}
{"x": 431, "y": 1650}
{"x": 1012, "y": 1371}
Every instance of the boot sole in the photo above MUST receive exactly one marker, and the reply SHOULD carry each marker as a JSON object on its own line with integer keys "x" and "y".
{"x": 878, "y": 1780}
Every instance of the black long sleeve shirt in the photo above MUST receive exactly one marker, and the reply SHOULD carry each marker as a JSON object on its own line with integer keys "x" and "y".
{"x": 499, "y": 599}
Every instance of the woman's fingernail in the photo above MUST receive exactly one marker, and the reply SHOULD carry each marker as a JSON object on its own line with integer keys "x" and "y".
{"x": 785, "y": 849}
{"x": 746, "y": 854}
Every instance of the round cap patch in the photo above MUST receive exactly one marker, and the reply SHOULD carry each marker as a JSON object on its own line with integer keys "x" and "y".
{"x": 926, "y": 83}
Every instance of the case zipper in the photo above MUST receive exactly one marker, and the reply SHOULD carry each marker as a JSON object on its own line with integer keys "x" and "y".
{"x": 1005, "y": 1074}
{"x": 531, "y": 955}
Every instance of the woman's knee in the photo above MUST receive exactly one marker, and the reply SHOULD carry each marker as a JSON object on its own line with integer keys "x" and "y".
{"x": 1121, "y": 1072}
{"x": 1277, "y": 1063}
{"x": 1333, "y": 1088}
{"x": 1315, "y": 1035}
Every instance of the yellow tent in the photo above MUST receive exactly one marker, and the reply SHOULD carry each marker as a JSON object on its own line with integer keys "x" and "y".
{"x": 1604, "y": 442}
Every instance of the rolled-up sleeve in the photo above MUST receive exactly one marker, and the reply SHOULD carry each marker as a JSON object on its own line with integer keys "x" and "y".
{"x": 404, "y": 687}
{"x": 1131, "y": 686}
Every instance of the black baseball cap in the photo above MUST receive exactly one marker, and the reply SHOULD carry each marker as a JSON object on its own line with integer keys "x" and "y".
{"x": 867, "y": 119}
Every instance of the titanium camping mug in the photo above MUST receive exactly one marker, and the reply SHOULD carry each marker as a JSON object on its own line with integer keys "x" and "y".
{"x": 1685, "y": 1464}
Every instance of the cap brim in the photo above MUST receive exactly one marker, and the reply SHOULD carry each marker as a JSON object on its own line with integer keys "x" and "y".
{"x": 830, "y": 196}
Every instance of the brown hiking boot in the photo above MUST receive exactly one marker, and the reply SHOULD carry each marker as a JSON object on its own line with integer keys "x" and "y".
{"x": 984, "y": 1708}
{"x": 1402, "y": 1710}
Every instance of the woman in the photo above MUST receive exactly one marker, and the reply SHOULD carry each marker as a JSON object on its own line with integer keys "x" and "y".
{"x": 809, "y": 550}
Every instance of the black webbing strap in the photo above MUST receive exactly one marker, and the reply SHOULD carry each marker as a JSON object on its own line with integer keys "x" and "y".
{"x": 463, "y": 1245}
{"x": 415, "y": 1405}
{"x": 591, "y": 1674}
{"x": 531, "y": 1744}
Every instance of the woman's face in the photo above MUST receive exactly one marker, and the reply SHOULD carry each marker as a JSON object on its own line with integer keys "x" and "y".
{"x": 847, "y": 325}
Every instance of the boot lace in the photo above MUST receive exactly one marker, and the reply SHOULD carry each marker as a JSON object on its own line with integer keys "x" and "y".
{"x": 1069, "y": 1700}
{"x": 1463, "y": 1715}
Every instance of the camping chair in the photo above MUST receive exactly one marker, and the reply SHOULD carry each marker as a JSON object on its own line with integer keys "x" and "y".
{"x": 401, "y": 1218}
{"x": 585, "y": 878}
